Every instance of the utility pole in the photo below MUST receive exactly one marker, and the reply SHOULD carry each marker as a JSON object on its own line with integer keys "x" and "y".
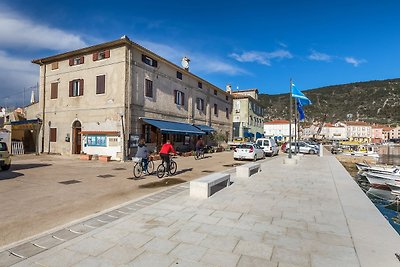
{"x": 290, "y": 120}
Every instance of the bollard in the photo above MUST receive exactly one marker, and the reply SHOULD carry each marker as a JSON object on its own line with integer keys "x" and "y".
{"x": 321, "y": 153}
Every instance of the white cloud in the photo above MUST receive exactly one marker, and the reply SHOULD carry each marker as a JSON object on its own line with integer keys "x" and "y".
{"x": 354, "y": 61}
{"x": 260, "y": 57}
{"x": 17, "y": 31}
{"x": 199, "y": 62}
{"x": 318, "y": 56}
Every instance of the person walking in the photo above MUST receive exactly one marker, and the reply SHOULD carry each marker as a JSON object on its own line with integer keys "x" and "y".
{"x": 143, "y": 153}
{"x": 164, "y": 153}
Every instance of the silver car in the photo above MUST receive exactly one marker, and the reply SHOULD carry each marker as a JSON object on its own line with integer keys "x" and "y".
{"x": 302, "y": 147}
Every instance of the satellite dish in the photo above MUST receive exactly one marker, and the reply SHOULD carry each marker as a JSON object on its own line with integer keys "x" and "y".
{"x": 185, "y": 63}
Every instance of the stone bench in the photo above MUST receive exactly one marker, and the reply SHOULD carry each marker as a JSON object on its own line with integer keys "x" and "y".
{"x": 206, "y": 186}
{"x": 247, "y": 170}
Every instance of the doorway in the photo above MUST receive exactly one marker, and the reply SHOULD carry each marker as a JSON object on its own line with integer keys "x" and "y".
{"x": 76, "y": 137}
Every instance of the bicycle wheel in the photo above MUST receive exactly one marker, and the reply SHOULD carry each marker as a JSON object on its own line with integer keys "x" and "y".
{"x": 137, "y": 170}
{"x": 202, "y": 154}
{"x": 150, "y": 167}
{"x": 173, "y": 167}
{"x": 196, "y": 155}
{"x": 160, "y": 171}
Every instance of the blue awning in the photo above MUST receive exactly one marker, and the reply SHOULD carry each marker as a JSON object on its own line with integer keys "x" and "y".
{"x": 33, "y": 121}
{"x": 258, "y": 135}
{"x": 204, "y": 128}
{"x": 171, "y": 127}
{"x": 248, "y": 134}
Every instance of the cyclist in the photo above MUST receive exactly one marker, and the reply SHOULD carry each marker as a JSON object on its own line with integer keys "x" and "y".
{"x": 199, "y": 146}
{"x": 143, "y": 153}
{"x": 164, "y": 153}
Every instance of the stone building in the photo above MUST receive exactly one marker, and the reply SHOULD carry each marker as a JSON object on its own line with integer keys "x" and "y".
{"x": 101, "y": 99}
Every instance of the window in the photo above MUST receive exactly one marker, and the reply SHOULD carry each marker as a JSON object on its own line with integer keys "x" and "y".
{"x": 215, "y": 92}
{"x": 101, "y": 55}
{"x": 76, "y": 87}
{"x": 216, "y": 110}
{"x": 227, "y": 113}
{"x": 147, "y": 133}
{"x": 54, "y": 65}
{"x": 76, "y": 61}
{"x": 53, "y": 134}
{"x": 148, "y": 90}
{"x": 179, "y": 75}
{"x": 200, "y": 85}
{"x": 179, "y": 98}
{"x": 54, "y": 91}
{"x": 226, "y": 98}
{"x": 200, "y": 104}
{"x": 100, "y": 84}
{"x": 149, "y": 61}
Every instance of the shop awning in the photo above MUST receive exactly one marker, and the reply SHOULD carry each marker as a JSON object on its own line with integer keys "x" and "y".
{"x": 248, "y": 134}
{"x": 171, "y": 127}
{"x": 204, "y": 128}
{"x": 258, "y": 135}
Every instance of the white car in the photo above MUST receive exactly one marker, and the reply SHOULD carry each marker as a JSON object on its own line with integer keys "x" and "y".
{"x": 268, "y": 145}
{"x": 248, "y": 151}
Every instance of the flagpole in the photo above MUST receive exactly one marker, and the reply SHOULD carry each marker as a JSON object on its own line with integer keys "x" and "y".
{"x": 290, "y": 120}
{"x": 295, "y": 127}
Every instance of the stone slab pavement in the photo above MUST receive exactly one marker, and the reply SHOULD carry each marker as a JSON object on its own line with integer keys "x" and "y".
{"x": 309, "y": 214}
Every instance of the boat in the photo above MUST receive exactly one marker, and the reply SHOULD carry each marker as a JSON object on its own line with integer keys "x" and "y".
{"x": 359, "y": 150}
{"x": 362, "y": 166}
{"x": 380, "y": 180}
{"x": 394, "y": 187}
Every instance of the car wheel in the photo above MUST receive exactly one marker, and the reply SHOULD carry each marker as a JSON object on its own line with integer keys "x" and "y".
{"x": 312, "y": 152}
{"x": 255, "y": 157}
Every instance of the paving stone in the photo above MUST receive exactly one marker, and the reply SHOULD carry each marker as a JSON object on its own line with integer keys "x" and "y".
{"x": 135, "y": 240}
{"x": 162, "y": 231}
{"x": 320, "y": 260}
{"x": 186, "y": 263}
{"x": 147, "y": 259}
{"x": 290, "y": 223}
{"x": 91, "y": 246}
{"x": 291, "y": 256}
{"x": 93, "y": 261}
{"x": 80, "y": 228}
{"x": 121, "y": 254}
{"x": 337, "y": 240}
{"x": 26, "y": 250}
{"x": 184, "y": 225}
{"x": 154, "y": 211}
{"x": 258, "y": 250}
{"x": 246, "y": 235}
{"x": 161, "y": 221}
{"x": 199, "y": 211}
{"x": 220, "y": 243}
{"x": 190, "y": 237}
{"x": 180, "y": 215}
{"x": 65, "y": 234}
{"x": 47, "y": 241}
{"x": 160, "y": 245}
{"x": 219, "y": 258}
{"x": 188, "y": 252}
{"x": 61, "y": 258}
{"x": 94, "y": 223}
{"x": 205, "y": 219}
{"x": 7, "y": 259}
{"x": 301, "y": 234}
{"x": 214, "y": 230}
{"x": 247, "y": 261}
{"x": 105, "y": 218}
{"x": 111, "y": 234}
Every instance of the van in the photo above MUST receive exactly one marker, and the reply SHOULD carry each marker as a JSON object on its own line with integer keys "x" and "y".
{"x": 268, "y": 145}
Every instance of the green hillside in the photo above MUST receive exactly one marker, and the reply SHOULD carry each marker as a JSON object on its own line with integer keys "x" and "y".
{"x": 373, "y": 101}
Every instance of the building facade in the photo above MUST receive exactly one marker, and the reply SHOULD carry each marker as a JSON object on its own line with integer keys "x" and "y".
{"x": 278, "y": 129}
{"x": 247, "y": 114}
{"x": 359, "y": 131}
{"x": 102, "y": 99}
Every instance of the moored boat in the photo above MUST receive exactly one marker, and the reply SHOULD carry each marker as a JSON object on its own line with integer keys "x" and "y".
{"x": 380, "y": 180}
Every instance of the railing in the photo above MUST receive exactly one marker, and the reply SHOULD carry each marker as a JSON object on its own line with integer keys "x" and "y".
{"x": 17, "y": 148}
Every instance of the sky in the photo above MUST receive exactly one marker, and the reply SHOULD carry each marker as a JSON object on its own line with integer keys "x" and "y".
{"x": 248, "y": 44}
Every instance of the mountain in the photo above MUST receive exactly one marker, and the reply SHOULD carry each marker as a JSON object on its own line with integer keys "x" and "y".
{"x": 372, "y": 101}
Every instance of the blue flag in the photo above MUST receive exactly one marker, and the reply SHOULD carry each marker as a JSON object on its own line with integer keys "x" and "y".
{"x": 296, "y": 93}
{"x": 300, "y": 110}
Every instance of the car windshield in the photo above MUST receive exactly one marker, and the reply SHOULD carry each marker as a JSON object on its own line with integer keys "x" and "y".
{"x": 245, "y": 146}
{"x": 3, "y": 146}
{"x": 259, "y": 142}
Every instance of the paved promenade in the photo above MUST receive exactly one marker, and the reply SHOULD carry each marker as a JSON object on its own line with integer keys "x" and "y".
{"x": 309, "y": 214}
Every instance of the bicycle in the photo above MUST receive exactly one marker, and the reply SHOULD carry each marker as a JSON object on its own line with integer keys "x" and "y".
{"x": 199, "y": 154}
{"x": 162, "y": 168}
{"x": 138, "y": 168}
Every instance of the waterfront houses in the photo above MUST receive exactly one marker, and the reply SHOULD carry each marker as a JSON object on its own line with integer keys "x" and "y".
{"x": 278, "y": 129}
{"x": 101, "y": 99}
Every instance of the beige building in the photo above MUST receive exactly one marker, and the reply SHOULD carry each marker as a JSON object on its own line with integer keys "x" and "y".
{"x": 359, "y": 131}
{"x": 101, "y": 99}
{"x": 247, "y": 113}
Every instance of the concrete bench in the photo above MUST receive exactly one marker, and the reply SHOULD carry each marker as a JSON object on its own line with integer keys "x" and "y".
{"x": 206, "y": 186}
{"x": 247, "y": 170}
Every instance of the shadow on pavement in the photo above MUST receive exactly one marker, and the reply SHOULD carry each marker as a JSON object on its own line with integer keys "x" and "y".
{"x": 6, "y": 175}
{"x": 11, "y": 174}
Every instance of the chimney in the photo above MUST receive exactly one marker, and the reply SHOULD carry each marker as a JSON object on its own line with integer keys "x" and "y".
{"x": 229, "y": 88}
{"x": 33, "y": 97}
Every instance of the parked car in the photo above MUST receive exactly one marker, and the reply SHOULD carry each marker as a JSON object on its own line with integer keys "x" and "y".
{"x": 5, "y": 158}
{"x": 268, "y": 145}
{"x": 248, "y": 151}
{"x": 301, "y": 147}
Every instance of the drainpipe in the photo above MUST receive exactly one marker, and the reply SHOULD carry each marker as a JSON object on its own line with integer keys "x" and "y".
{"x": 44, "y": 105}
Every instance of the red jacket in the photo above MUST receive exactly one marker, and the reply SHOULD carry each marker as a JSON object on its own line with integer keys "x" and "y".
{"x": 167, "y": 148}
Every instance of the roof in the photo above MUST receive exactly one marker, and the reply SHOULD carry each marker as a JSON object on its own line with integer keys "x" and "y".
{"x": 357, "y": 123}
{"x": 100, "y": 132}
{"x": 246, "y": 90}
{"x": 123, "y": 41}
{"x": 277, "y": 122}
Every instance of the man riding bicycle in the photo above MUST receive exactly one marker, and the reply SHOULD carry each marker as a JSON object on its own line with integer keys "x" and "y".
{"x": 164, "y": 153}
{"x": 199, "y": 146}
{"x": 143, "y": 153}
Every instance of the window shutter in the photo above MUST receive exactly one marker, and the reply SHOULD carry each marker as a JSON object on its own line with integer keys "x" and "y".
{"x": 101, "y": 84}
{"x": 71, "y": 61}
{"x": 183, "y": 99}
{"x": 175, "y": 99}
{"x": 143, "y": 58}
{"x": 54, "y": 91}
{"x": 81, "y": 87}
{"x": 53, "y": 134}
{"x": 107, "y": 53}
{"x": 82, "y": 59}
{"x": 155, "y": 63}
{"x": 95, "y": 56}
{"x": 71, "y": 88}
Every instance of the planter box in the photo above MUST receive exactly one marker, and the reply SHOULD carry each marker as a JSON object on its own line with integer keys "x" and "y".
{"x": 104, "y": 158}
{"x": 85, "y": 157}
